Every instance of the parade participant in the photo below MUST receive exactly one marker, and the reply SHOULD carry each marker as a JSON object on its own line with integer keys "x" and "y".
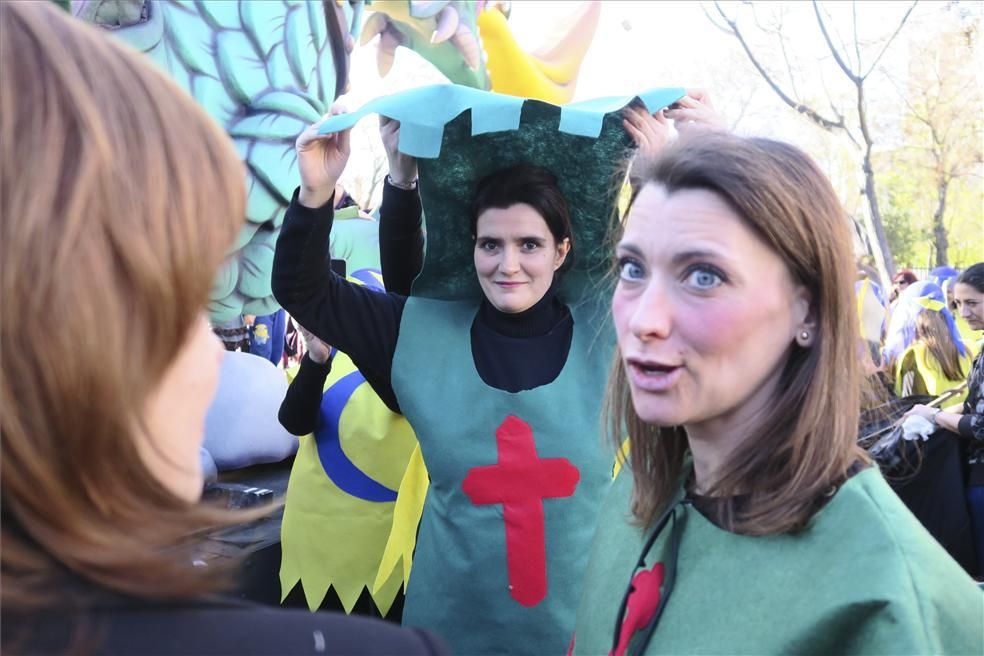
{"x": 945, "y": 277}
{"x": 100, "y": 473}
{"x": 341, "y": 497}
{"x": 872, "y": 316}
{"x": 900, "y": 281}
{"x": 496, "y": 360}
{"x": 923, "y": 345}
{"x": 747, "y": 520}
{"x": 968, "y": 420}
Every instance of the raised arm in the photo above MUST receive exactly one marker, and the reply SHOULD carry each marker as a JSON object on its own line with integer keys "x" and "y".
{"x": 358, "y": 321}
{"x": 401, "y": 234}
{"x": 301, "y": 408}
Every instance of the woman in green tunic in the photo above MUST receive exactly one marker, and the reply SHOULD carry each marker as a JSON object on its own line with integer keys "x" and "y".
{"x": 497, "y": 361}
{"x": 747, "y": 520}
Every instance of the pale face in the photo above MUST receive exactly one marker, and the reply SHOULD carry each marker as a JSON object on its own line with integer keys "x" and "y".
{"x": 970, "y": 305}
{"x": 175, "y": 414}
{"x": 705, "y": 313}
{"x": 516, "y": 256}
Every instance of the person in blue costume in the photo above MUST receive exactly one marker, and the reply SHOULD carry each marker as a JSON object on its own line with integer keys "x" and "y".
{"x": 495, "y": 358}
{"x": 747, "y": 520}
{"x": 103, "y": 525}
{"x": 266, "y": 336}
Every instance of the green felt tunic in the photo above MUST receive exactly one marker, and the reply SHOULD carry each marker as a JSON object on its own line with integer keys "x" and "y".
{"x": 864, "y": 577}
{"x": 460, "y": 586}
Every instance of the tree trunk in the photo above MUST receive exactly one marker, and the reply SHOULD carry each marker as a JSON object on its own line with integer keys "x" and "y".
{"x": 939, "y": 230}
{"x": 886, "y": 261}
{"x": 883, "y": 254}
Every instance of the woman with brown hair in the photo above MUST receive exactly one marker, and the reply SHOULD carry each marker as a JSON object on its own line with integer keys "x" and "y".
{"x": 120, "y": 198}
{"x": 747, "y": 519}
{"x": 924, "y": 345}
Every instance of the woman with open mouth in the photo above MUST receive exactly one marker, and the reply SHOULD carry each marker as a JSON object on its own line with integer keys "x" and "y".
{"x": 747, "y": 520}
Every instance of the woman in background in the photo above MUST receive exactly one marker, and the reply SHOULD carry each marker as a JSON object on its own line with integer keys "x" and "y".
{"x": 968, "y": 420}
{"x": 120, "y": 198}
{"x": 923, "y": 344}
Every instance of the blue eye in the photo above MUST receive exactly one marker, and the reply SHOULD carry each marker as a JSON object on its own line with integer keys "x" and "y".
{"x": 704, "y": 278}
{"x": 629, "y": 269}
{"x": 530, "y": 246}
{"x": 488, "y": 246}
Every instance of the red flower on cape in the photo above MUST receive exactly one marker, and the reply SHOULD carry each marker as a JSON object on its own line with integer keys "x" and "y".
{"x": 641, "y": 605}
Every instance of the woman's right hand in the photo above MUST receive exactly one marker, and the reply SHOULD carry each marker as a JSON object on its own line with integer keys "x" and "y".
{"x": 316, "y": 349}
{"x": 321, "y": 158}
{"x": 402, "y": 168}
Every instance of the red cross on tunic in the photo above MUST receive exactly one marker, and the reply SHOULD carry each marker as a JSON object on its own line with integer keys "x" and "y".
{"x": 520, "y": 481}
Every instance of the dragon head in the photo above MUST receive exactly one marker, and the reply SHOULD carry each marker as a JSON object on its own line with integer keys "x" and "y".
{"x": 471, "y": 44}
{"x": 444, "y": 32}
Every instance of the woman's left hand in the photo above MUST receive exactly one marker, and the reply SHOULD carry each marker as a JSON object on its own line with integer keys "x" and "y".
{"x": 695, "y": 112}
{"x": 650, "y": 132}
{"x": 317, "y": 350}
{"x": 923, "y": 411}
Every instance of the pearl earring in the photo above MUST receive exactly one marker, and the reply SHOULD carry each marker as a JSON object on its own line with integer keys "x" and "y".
{"x": 805, "y": 335}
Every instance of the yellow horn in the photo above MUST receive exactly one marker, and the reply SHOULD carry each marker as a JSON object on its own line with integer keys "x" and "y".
{"x": 549, "y": 74}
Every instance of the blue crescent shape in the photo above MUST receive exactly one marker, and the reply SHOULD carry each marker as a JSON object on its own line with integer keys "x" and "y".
{"x": 339, "y": 469}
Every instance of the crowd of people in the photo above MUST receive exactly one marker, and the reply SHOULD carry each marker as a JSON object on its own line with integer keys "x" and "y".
{"x": 661, "y": 458}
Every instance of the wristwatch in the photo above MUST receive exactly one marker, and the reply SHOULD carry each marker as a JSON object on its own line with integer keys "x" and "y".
{"x": 406, "y": 186}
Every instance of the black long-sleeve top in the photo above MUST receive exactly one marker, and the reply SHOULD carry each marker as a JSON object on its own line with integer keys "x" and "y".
{"x": 971, "y": 423}
{"x": 512, "y": 352}
{"x": 401, "y": 251}
{"x": 301, "y": 408}
{"x": 401, "y": 238}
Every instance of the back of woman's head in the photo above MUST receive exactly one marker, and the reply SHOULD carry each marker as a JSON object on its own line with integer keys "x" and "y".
{"x": 919, "y": 298}
{"x": 120, "y": 197}
{"x": 807, "y": 441}
{"x": 529, "y": 184}
{"x": 933, "y": 331}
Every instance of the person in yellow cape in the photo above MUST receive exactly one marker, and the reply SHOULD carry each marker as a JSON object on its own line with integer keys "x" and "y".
{"x": 342, "y": 492}
{"x": 929, "y": 354}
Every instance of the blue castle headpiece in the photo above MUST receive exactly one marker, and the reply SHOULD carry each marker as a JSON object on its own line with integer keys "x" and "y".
{"x": 460, "y": 135}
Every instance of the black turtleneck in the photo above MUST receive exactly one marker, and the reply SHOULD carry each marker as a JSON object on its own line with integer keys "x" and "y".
{"x": 515, "y": 352}
{"x": 512, "y": 352}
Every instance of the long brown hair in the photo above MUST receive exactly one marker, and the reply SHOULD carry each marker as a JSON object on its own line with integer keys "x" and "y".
{"x": 808, "y": 441}
{"x": 931, "y": 329}
{"x": 120, "y": 198}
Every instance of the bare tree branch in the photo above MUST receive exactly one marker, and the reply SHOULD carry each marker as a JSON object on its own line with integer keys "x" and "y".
{"x": 854, "y": 23}
{"x": 903, "y": 96}
{"x": 890, "y": 39}
{"x": 785, "y": 57}
{"x": 840, "y": 116}
{"x": 809, "y": 112}
{"x": 714, "y": 21}
{"x": 833, "y": 49}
